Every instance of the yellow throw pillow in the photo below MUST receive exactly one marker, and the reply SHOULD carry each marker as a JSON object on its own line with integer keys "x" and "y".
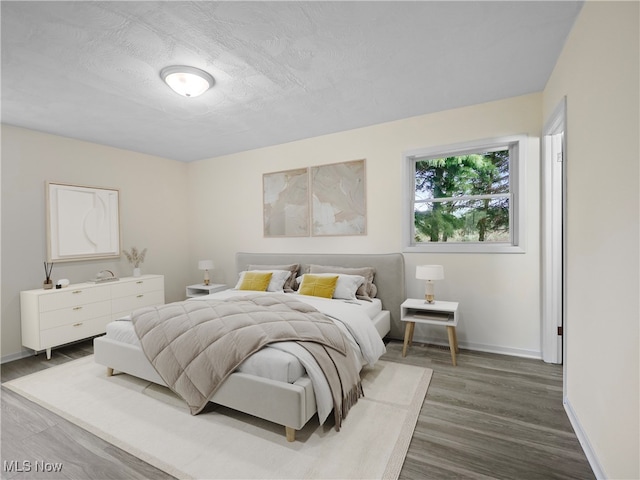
{"x": 318, "y": 286}
{"x": 258, "y": 281}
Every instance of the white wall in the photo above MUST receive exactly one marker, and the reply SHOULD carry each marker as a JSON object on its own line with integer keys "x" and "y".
{"x": 598, "y": 72}
{"x": 222, "y": 198}
{"x": 153, "y": 199}
{"x": 499, "y": 293}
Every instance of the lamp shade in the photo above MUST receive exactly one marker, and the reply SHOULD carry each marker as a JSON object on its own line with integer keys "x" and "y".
{"x": 205, "y": 265}
{"x": 429, "y": 272}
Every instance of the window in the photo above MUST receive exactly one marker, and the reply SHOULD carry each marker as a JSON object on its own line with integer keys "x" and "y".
{"x": 466, "y": 198}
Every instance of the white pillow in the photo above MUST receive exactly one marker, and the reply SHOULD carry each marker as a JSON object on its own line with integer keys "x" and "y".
{"x": 276, "y": 284}
{"x": 346, "y": 287}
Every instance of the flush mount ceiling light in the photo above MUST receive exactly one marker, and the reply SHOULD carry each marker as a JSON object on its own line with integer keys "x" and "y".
{"x": 187, "y": 81}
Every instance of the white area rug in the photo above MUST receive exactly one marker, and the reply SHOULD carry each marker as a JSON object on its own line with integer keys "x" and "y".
{"x": 151, "y": 423}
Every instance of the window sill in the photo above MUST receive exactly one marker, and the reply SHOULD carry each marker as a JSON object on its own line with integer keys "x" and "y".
{"x": 464, "y": 248}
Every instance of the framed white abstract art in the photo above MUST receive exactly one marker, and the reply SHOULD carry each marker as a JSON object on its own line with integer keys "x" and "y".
{"x": 82, "y": 222}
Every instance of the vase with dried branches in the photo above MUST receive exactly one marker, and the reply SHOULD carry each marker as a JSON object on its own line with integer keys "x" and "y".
{"x": 135, "y": 258}
{"x": 47, "y": 284}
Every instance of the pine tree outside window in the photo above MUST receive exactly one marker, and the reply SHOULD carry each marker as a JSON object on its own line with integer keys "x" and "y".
{"x": 466, "y": 198}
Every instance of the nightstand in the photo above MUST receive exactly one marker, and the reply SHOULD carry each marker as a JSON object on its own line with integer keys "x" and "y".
{"x": 200, "y": 289}
{"x": 445, "y": 314}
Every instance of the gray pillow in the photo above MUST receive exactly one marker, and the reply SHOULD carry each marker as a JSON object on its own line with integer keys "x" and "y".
{"x": 290, "y": 283}
{"x": 367, "y": 290}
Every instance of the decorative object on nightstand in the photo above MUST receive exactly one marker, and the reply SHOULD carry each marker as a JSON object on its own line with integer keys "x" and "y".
{"x": 429, "y": 273}
{"x": 135, "y": 258}
{"x": 200, "y": 290}
{"x": 445, "y": 314}
{"x": 205, "y": 265}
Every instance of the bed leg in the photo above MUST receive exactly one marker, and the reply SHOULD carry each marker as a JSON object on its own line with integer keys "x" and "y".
{"x": 109, "y": 372}
{"x": 291, "y": 434}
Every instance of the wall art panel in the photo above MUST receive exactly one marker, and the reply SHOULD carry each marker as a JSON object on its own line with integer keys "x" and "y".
{"x": 286, "y": 203}
{"x": 82, "y": 222}
{"x": 339, "y": 199}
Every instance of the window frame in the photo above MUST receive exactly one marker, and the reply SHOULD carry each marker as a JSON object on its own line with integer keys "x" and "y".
{"x": 517, "y": 195}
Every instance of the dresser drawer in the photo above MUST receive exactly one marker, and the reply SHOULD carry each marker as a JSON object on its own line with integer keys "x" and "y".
{"x": 125, "y": 305}
{"x": 134, "y": 287}
{"x": 75, "y": 314}
{"x": 72, "y": 297}
{"x": 70, "y": 333}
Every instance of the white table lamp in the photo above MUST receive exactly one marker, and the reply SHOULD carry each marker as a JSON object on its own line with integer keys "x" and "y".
{"x": 429, "y": 273}
{"x": 205, "y": 265}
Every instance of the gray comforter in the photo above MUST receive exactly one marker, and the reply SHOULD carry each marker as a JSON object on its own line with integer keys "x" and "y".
{"x": 195, "y": 346}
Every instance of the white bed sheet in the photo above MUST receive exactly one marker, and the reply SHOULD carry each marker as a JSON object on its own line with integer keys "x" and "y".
{"x": 267, "y": 363}
{"x": 370, "y": 308}
{"x": 273, "y": 363}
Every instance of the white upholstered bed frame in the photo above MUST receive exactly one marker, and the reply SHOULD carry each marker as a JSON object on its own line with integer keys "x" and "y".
{"x": 287, "y": 404}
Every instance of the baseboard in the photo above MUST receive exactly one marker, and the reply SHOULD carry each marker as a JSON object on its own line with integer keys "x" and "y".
{"x": 16, "y": 356}
{"x": 592, "y": 458}
{"x": 515, "y": 352}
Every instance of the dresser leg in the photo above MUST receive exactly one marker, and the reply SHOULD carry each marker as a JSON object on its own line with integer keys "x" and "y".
{"x": 48, "y": 353}
{"x": 290, "y": 433}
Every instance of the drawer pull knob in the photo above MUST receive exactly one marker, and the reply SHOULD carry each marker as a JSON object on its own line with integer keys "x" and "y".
{"x": 140, "y": 296}
{"x": 77, "y": 308}
{"x": 139, "y": 282}
{"x": 77, "y": 291}
{"x": 77, "y": 324}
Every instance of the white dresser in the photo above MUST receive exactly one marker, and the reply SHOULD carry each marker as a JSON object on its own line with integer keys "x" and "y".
{"x": 54, "y": 317}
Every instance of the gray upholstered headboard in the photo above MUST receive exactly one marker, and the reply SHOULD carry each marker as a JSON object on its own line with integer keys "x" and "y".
{"x": 389, "y": 276}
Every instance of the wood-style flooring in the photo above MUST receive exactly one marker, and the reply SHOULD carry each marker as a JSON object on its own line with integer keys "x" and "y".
{"x": 492, "y": 416}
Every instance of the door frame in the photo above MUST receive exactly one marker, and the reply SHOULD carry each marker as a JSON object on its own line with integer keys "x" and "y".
{"x": 554, "y": 168}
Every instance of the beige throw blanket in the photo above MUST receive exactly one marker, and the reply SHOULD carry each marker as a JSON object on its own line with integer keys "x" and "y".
{"x": 195, "y": 345}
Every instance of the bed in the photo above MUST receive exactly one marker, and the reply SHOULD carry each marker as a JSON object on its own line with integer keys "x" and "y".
{"x": 284, "y": 395}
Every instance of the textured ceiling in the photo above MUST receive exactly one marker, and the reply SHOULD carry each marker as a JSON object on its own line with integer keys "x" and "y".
{"x": 284, "y": 70}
